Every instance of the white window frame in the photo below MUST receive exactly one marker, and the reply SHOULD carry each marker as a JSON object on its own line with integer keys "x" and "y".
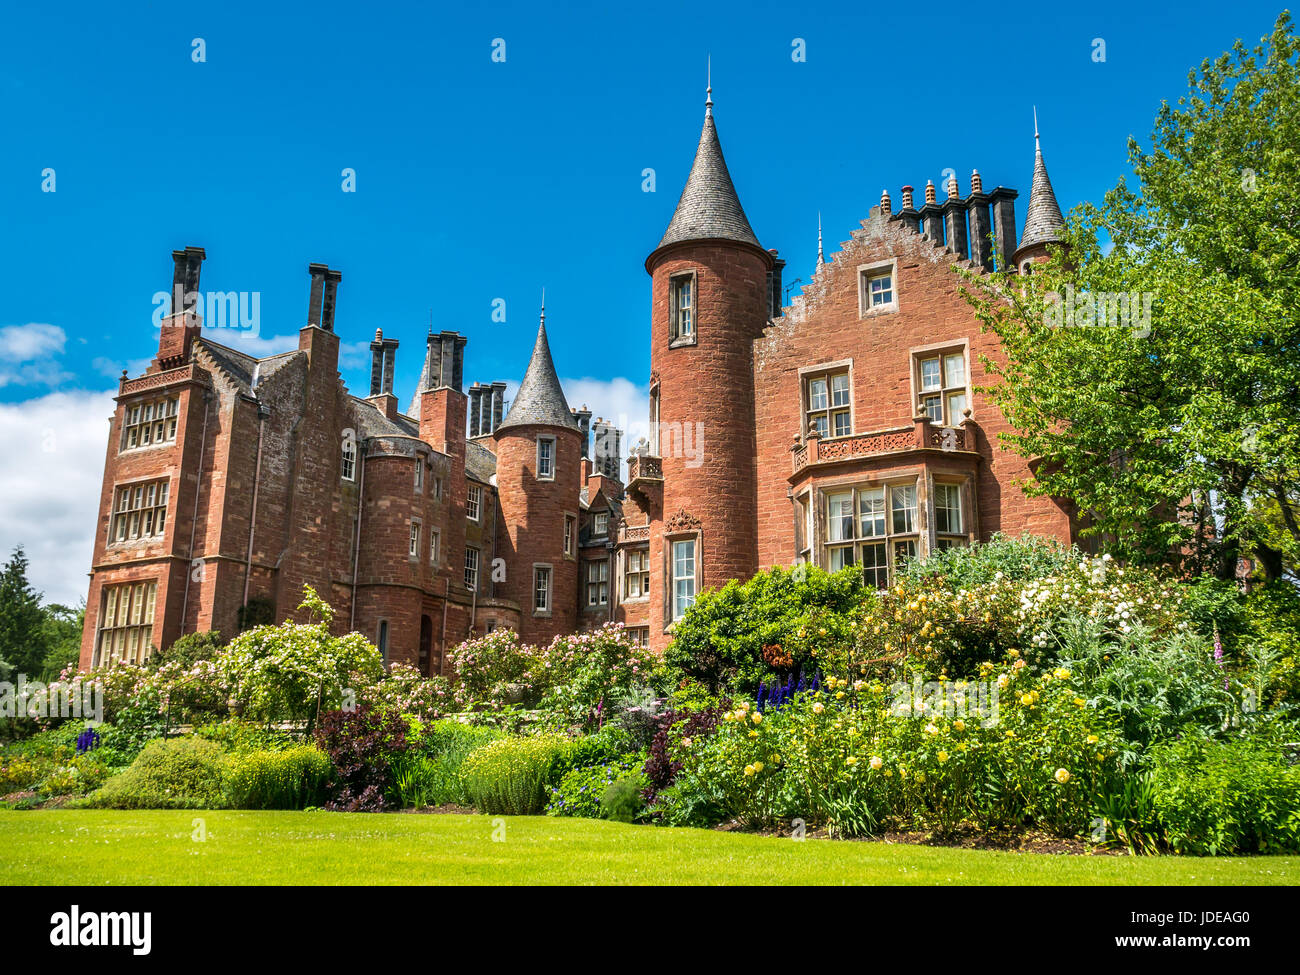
{"x": 827, "y": 372}
{"x": 547, "y": 474}
{"x": 474, "y": 502}
{"x": 598, "y": 588}
{"x": 543, "y": 586}
{"x": 419, "y": 475}
{"x": 135, "y": 505}
{"x": 125, "y": 628}
{"x": 599, "y": 524}
{"x": 857, "y": 535}
{"x": 867, "y": 273}
{"x": 570, "y": 530}
{"x": 684, "y": 281}
{"x": 149, "y": 423}
{"x": 950, "y": 415}
{"x": 413, "y": 545}
{"x": 636, "y": 566}
{"x": 435, "y": 540}
{"x": 472, "y": 560}
{"x": 683, "y": 574}
{"x": 348, "y": 459}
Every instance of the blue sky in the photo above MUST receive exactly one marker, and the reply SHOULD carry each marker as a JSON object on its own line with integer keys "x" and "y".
{"x": 478, "y": 180}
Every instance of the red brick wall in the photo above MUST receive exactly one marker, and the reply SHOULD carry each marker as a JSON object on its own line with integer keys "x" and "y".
{"x": 707, "y": 389}
{"x": 532, "y": 526}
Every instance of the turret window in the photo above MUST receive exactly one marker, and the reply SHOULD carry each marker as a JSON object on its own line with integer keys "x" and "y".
{"x": 541, "y": 590}
{"x": 681, "y": 309}
{"x": 546, "y": 458}
{"x": 683, "y": 569}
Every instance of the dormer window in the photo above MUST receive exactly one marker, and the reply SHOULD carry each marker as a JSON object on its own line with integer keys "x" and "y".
{"x": 600, "y": 524}
{"x": 681, "y": 309}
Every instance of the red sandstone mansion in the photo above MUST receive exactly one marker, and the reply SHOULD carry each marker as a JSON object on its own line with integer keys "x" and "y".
{"x": 840, "y": 430}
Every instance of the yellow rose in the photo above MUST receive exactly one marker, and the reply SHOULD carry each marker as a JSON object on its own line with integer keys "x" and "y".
{"x": 1013, "y": 654}
{"x": 757, "y": 717}
{"x": 749, "y": 770}
{"x": 1093, "y": 739}
{"x": 1026, "y": 699}
{"x": 818, "y": 708}
{"x": 877, "y": 762}
{"x": 1062, "y": 776}
{"x": 943, "y": 757}
{"x": 758, "y": 767}
{"x": 959, "y": 725}
{"x": 839, "y": 695}
{"x": 1080, "y": 702}
{"x": 851, "y": 760}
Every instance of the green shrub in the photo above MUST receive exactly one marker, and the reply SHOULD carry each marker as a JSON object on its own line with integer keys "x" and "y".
{"x": 510, "y": 776}
{"x": 238, "y": 736}
{"x": 190, "y": 649}
{"x": 293, "y": 778}
{"x": 622, "y": 801}
{"x": 770, "y": 625}
{"x": 443, "y": 748}
{"x": 581, "y": 790}
{"x": 176, "y": 773}
{"x": 1216, "y": 798}
{"x": 1002, "y": 557}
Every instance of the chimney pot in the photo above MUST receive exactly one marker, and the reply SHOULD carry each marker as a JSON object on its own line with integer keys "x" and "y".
{"x": 929, "y": 191}
{"x": 907, "y": 197}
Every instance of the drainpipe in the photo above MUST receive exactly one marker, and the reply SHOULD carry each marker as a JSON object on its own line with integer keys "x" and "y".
{"x": 442, "y": 654}
{"x": 263, "y": 411}
{"x": 194, "y": 520}
{"x": 356, "y": 547}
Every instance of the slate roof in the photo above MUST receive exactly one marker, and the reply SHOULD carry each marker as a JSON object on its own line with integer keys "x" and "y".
{"x": 1043, "y": 221}
{"x": 480, "y": 463}
{"x": 540, "y": 400}
{"x": 709, "y": 208}
{"x": 241, "y": 368}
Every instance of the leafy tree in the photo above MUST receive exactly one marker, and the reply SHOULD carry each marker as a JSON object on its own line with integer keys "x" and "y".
{"x": 294, "y": 670}
{"x": 23, "y": 638}
{"x": 62, "y": 629}
{"x": 1168, "y": 430}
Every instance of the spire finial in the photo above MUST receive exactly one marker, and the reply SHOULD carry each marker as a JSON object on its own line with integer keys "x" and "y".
{"x": 820, "y": 259}
{"x": 543, "y": 304}
{"x": 1037, "y": 146}
{"x": 708, "y": 91}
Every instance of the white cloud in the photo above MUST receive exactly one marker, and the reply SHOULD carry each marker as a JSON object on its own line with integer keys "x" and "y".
{"x": 618, "y": 400}
{"x": 28, "y": 355}
{"x": 54, "y": 448}
{"x": 35, "y": 340}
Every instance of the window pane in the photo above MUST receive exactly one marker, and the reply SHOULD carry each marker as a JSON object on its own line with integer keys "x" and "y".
{"x": 840, "y": 390}
{"x": 929, "y": 374}
{"x": 954, "y": 370}
{"x": 932, "y": 406}
{"x": 875, "y": 567}
{"x": 839, "y": 517}
{"x": 956, "y": 407}
{"x": 842, "y": 426}
{"x": 903, "y": 507}
{"x": 871, "y": 509}
{"x": 821, "y": 425}
{"x": 904, "y": 551}
{"x": 840, "y": 556}
{"x": 817, "y": 394}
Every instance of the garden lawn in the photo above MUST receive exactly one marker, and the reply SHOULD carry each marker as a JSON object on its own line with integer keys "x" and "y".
{"x": 79, "y": 847}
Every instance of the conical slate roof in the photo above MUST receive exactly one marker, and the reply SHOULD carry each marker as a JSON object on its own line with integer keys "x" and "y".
{"x": 709, "y": 208}
{"x": 540, "y": 400}
{"x": 1043, "y": 221}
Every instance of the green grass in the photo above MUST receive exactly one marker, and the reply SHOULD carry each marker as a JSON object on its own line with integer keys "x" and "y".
{"x": 155, "y": 847}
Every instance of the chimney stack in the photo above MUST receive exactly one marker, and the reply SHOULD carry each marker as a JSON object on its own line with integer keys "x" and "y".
{"x": 932, "y": 215}
{"x": 332, "y": 279}
{"x": 383, "y": 356}
{"x": 583, "y": 418}
{"x": 476, "y": 410}
{"x": 774, "y": 295}
{"x": 185, "y": 277}
{"x": 498, "y": 405}
{"x": 317, "y": 272}
{"x": 977, "y": 208}
{"x": 1004, "y": 225}
{"x": 609, "y": 451}
{"x": 445, "y": 361}
{"x": 911, "y": 219}
{"x": 954, "y": 215}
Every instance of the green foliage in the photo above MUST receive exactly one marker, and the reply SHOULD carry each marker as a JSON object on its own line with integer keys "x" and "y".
{"x": 442, "y": 750}
{"x": 176, "y": 773}
{"x": 292, "y": 778}
{"x": 622, "y": 801}
{"x": 61, "y": 635}
{"x": 23, "y": 636}
{"x": 296, "y": 670}
{"x": 239, "y": 737}
{"x": 1001, "y": 558}
{"x": 1216, "y": 798}
{"x": 589, "y": 672}
{"x": 497, "y": 670}
{"x": 1140, "y": 423}
{"x": 581, "y": 791}
{"x": 191, "y": 648}
{"x": 509, "y": 776}
{"x": 790, "y": 615}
